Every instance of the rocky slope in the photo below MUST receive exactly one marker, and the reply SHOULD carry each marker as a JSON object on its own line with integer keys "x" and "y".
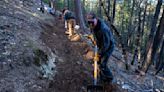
{"x": 23, "y": 56}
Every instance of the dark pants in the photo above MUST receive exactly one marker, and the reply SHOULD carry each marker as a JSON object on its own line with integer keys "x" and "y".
{"x": 106, "y": 74}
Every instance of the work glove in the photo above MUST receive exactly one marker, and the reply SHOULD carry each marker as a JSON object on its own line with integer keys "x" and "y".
{"x": 96, "y": 58}
{"x": 90, "y": 36}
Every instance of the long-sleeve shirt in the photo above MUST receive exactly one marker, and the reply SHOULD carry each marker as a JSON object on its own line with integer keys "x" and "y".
{"x": 103, "y": 36}
{"x": 69, "y": 15}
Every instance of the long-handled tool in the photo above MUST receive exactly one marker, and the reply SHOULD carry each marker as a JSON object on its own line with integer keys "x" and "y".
{"x": 95, "y": 87}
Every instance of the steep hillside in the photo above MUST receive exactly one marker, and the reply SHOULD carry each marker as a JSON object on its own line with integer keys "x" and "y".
{"x": 22, "y": 53}
{"x": 37, "y": 56}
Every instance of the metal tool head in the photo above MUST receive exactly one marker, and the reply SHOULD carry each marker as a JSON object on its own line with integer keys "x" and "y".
{"x": 95, "y": 88}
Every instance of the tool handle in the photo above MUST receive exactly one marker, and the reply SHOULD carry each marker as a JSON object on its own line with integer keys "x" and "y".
{"x": 96, "y": 59}
{"x": 95, "y": 72}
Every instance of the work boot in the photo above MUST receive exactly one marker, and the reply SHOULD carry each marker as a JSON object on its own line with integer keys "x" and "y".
{"x": 75, "y": 37}
{"x": 106, "y": 75}
{"x": 67, "y": 32}
{"x": 70, "y": 36}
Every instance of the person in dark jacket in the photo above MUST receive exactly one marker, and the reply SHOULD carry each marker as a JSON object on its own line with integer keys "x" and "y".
{"x": 70, "y": 22}
{"x": 105, "y": 42}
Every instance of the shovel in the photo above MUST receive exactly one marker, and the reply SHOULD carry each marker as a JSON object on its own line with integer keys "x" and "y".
{"x": 95, "y": 87}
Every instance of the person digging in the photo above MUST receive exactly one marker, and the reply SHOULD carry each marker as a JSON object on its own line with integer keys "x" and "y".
{"x": 70, "y": 23}
{"x": 104, "y": 40}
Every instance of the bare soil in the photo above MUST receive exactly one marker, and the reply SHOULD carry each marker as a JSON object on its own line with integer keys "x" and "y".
{"x": 74, "y": 73}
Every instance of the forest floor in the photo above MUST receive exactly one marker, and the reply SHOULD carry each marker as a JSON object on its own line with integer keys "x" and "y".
{"x": 74, "y": 73}
{"x": 23, "y": 29}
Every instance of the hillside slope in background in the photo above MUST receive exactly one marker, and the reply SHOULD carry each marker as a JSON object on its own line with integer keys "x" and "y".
{"x": 37, "y": 56}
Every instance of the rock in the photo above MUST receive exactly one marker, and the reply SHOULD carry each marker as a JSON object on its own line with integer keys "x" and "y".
{"x": 6, "y": 53}
{"x": 127, "y": 87}
{"x": 78, "y": 62}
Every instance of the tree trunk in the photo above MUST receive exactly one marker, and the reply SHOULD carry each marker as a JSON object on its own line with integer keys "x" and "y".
{"x": 148, "y": 51}
{"x": 122, "y": 21}
{"x": 99, "y": 10}
{"x": 144, "y": 15}
{"x": 79, "y": 14}
{"x": 65, "y": 3}
{"x": 149, "y": 18}
{"x": 114, "y": 8}
{"x": 138, "y": 40}
{"x": 108, "y": 7}
{"x": 154, "y": 45}
{"x": 142, "y": 30}
{"x": 158, "y": 38}
{"x": 52, "y": 4}
{"x": 134, "y": 57}
{"x": 161, "y": 60}
{"x": 68, "y": 6}
{"x": 130, "y": 24}
{"x": 83, "y": 8}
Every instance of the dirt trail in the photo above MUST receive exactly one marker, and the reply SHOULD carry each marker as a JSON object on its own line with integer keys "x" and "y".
{"x": 20, "y": 28}
{"x": 74, "y": 73}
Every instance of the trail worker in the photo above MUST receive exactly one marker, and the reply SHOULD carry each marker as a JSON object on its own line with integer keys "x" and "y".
{"x": 70, "y": 22}
{"x": 105, "y": 42}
